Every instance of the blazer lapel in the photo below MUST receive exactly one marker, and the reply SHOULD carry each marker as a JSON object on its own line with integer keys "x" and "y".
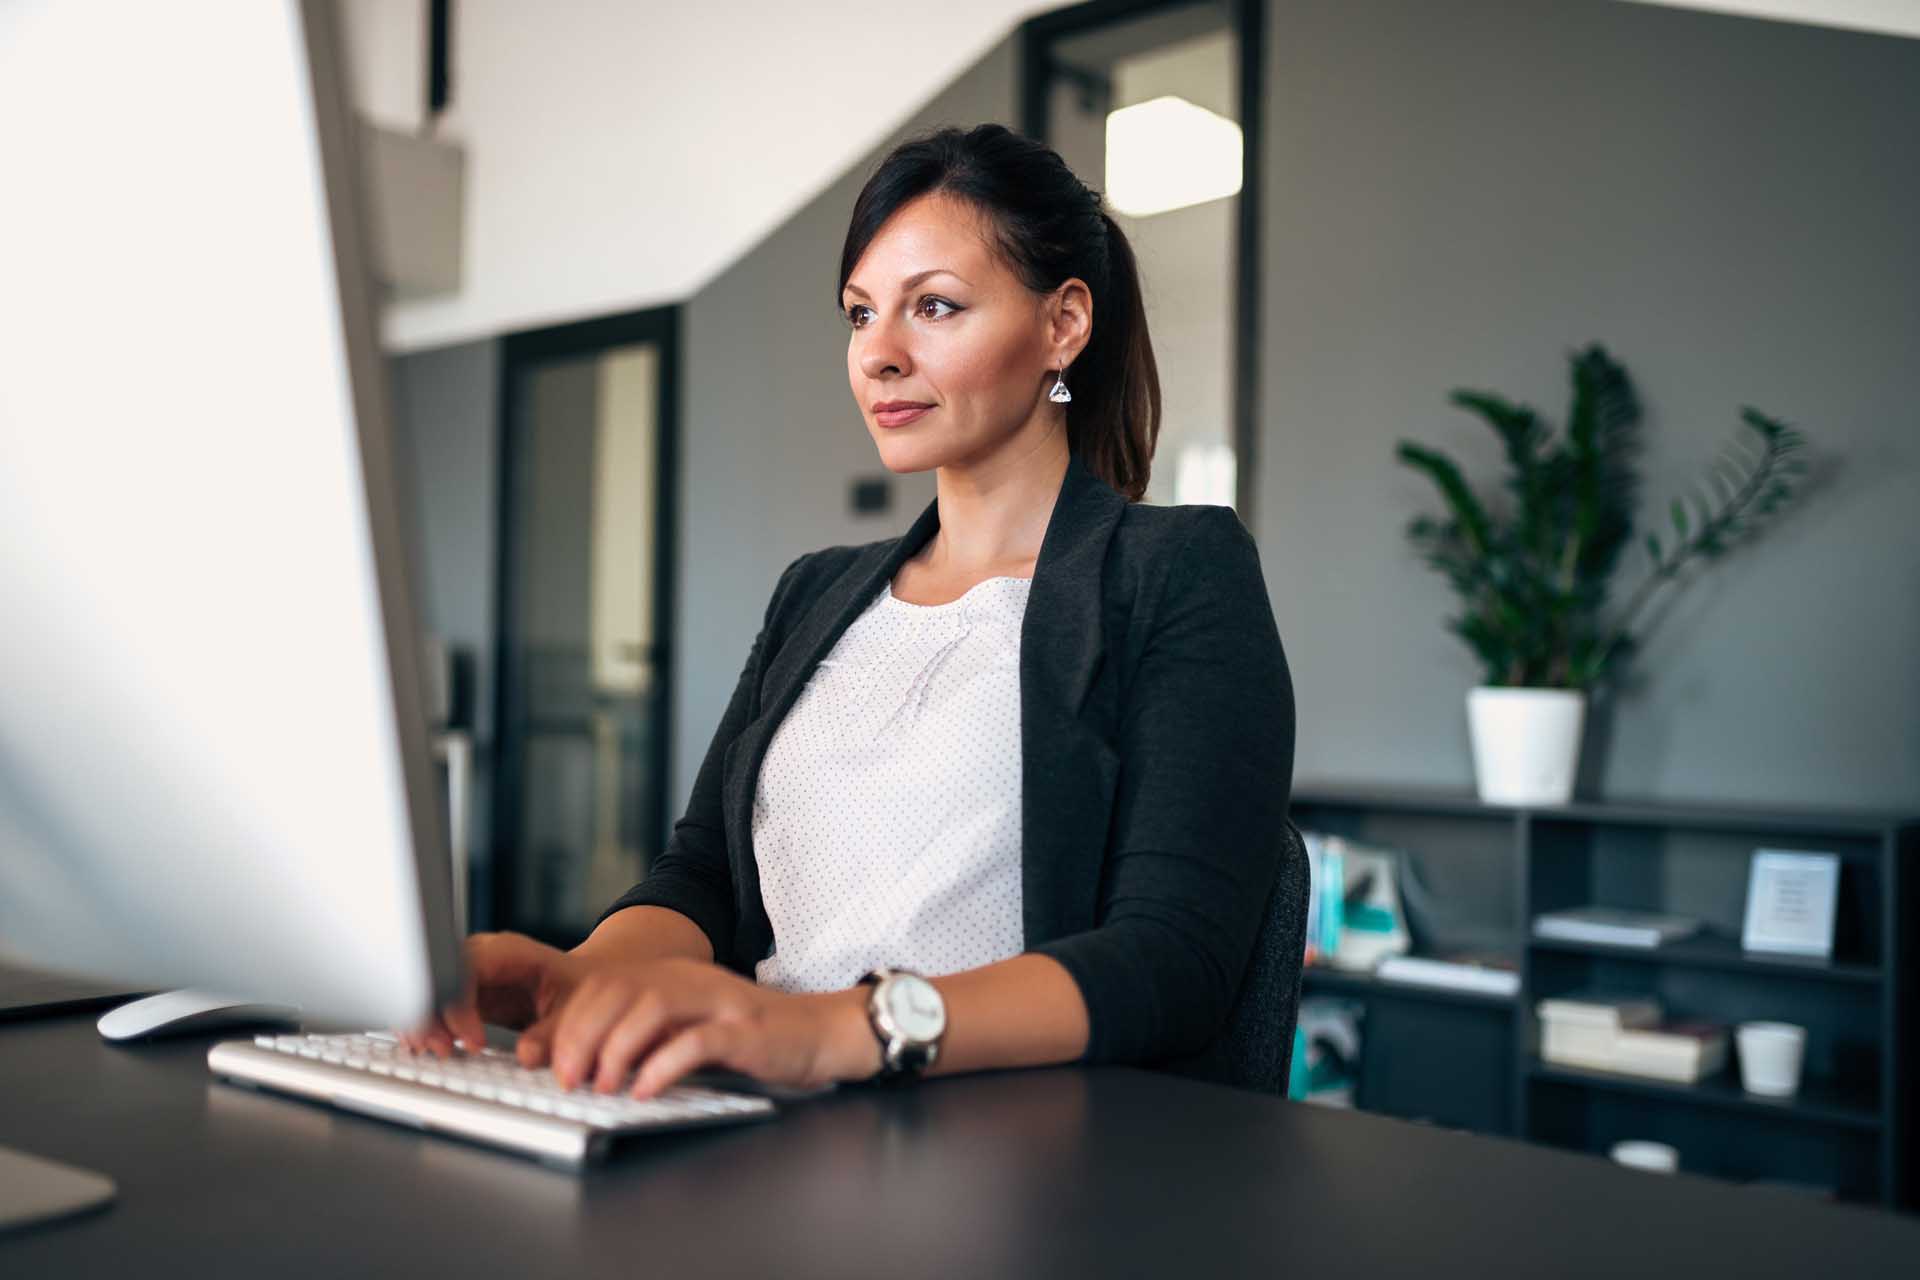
{"x": 1068, "y": 771}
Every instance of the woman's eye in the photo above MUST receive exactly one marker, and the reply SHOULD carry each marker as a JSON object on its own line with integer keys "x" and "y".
{"x": 853, "y": 314}
{"x": 936, "y": 302}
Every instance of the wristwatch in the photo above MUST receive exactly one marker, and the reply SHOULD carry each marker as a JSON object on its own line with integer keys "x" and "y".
{"x": 909, "y": 1018}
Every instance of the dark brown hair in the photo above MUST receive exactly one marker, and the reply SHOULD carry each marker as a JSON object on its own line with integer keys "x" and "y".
{"x": 1048, "y": 226}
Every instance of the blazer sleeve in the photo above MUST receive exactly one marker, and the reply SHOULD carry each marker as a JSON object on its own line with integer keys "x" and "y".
{"x": 693, "y": 874}
{"x": 1206, "y": 766}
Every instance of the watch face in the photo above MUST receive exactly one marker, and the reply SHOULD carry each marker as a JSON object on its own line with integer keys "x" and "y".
{"x": 916, "y": 1008}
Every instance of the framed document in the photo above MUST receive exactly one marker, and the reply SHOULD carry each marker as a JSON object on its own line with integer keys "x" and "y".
{"x": 1790, "y": 902}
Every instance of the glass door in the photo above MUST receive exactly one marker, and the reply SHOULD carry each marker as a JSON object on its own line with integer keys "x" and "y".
{"x": 584, "y": 664}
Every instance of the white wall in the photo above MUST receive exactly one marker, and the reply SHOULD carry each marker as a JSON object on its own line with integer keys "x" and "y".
{"x": 622, "y": 155}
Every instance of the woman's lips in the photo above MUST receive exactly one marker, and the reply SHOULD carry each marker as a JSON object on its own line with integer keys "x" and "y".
{"x": 900, "y": 417}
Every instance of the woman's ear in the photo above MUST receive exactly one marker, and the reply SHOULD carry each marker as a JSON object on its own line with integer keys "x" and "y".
{"x": 1069, "y": 322}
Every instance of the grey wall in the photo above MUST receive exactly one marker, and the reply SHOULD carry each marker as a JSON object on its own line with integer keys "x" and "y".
{"x": 771, "y": 439}
{"x": 448, "y": 427}
{"x": 1459, "y": 193}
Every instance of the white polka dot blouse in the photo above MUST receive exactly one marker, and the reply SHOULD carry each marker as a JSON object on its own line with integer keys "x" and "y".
{"x": 886, "y": 822}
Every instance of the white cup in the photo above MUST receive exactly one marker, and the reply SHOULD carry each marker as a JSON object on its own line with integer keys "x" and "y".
{"x": 1654, "y": 1157}
{"x": 1770, "y": 1057}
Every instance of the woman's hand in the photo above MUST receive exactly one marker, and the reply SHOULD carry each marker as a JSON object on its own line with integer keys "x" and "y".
{"x": 669, "y": 1017}
{"x": 512, "y": 981}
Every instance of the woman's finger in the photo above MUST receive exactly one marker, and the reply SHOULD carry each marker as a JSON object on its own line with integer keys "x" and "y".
{"x": 536, "y": 1042}
{"x": 584, "y": 1023}
{"x": 722, "y": 1044}
{"x": 504, "y": 973}
{"x": 463, "y": 1020}
{"x": 415, "y": 1038}
{"x": 439, "y": 1040}
{"x": 647, "y": 1021}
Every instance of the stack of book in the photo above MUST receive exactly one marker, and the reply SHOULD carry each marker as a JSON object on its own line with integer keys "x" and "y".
{"x": 1625, "y": 1034}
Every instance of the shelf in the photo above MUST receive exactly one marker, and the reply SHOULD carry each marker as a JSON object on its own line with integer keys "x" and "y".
{"x": 1330, "y": 981}
{"x": 1818, "y": 1102}
{"x": 1462, "y": 802}
{"x": 1717, "y": 953}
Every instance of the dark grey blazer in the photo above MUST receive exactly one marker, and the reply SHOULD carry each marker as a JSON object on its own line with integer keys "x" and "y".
{"x": 1157, "y": 756}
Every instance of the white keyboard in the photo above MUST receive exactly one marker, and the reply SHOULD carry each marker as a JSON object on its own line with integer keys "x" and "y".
{"x": 486, "y": 1095}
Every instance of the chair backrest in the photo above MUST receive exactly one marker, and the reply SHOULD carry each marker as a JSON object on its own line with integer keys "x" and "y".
{"x": 1255, "y": 1050}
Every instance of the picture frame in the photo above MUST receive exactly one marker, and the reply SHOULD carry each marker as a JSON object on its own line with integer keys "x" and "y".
{"x": 1791, "y": 899}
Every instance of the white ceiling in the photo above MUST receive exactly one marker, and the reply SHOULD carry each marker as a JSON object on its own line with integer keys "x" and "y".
{"x": 621, "y": 154}
{"x": 1888, "y": 17}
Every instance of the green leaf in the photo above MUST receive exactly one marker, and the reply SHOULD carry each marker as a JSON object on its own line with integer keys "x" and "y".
{"x": 1679, "y": 519}
{"x": 1466, "y": 508}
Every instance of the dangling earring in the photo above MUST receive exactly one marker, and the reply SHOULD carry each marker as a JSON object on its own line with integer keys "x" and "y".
{"x": 1058, "y": 393}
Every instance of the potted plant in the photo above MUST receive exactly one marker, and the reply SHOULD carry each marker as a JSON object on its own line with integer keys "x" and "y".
{"x": 1532, "y": 571}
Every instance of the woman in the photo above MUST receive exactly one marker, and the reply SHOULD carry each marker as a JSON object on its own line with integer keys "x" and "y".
{"x": 1035, "y": 751}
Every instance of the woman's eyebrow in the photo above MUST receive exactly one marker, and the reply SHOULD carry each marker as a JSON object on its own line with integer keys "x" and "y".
{"x": 913, "y": 280}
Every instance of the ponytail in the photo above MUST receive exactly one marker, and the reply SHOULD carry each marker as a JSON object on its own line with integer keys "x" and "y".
{"x": 1113, "y": 422}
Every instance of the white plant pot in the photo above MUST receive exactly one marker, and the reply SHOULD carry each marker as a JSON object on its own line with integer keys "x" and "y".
{"x": 1526, "y": 743}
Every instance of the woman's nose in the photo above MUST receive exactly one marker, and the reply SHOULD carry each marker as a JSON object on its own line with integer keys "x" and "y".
{"x": 882, "y": 353}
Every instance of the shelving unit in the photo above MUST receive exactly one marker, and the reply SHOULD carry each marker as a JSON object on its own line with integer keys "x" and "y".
{"x": 1471, "y": 1060}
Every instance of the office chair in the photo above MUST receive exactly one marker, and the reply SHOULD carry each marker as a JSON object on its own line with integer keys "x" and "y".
{"x": 1255, "y": 1049}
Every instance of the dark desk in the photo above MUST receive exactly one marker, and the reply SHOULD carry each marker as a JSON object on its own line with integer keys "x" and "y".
{"x": 1054, "y": 1173}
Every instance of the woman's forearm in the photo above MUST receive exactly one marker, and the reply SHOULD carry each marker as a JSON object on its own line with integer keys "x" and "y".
{"x": 1021, "y": 1012}
{"x": 639, "y": 934}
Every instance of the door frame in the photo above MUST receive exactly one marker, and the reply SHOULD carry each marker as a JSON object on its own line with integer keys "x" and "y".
{"x": 1248, "y": 20}
{"x": 520, "y": 354}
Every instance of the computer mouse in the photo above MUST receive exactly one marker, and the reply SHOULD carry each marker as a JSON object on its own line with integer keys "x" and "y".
{"x": 178, "y": 1012}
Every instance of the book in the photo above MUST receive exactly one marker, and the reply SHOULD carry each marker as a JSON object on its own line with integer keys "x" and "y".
{"x": 1683, "y": 1052}
{"x": 1612, "y": 926}
{"x": 1354, "y": 913}
{"x": 1326, "y": 1062}
{"x": 1600, "y": 1009}
{"x": 1583, "y": 1030}
{"x": 1495, "y": 975}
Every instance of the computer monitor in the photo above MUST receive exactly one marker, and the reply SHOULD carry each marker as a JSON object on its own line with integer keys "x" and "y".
{"x": 214, "y": 765}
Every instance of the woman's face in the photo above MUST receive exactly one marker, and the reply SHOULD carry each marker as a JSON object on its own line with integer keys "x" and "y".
{"x": 940, "y": 324}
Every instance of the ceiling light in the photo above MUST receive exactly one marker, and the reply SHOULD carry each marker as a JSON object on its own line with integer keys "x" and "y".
{"x": 1168, "y": 153}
